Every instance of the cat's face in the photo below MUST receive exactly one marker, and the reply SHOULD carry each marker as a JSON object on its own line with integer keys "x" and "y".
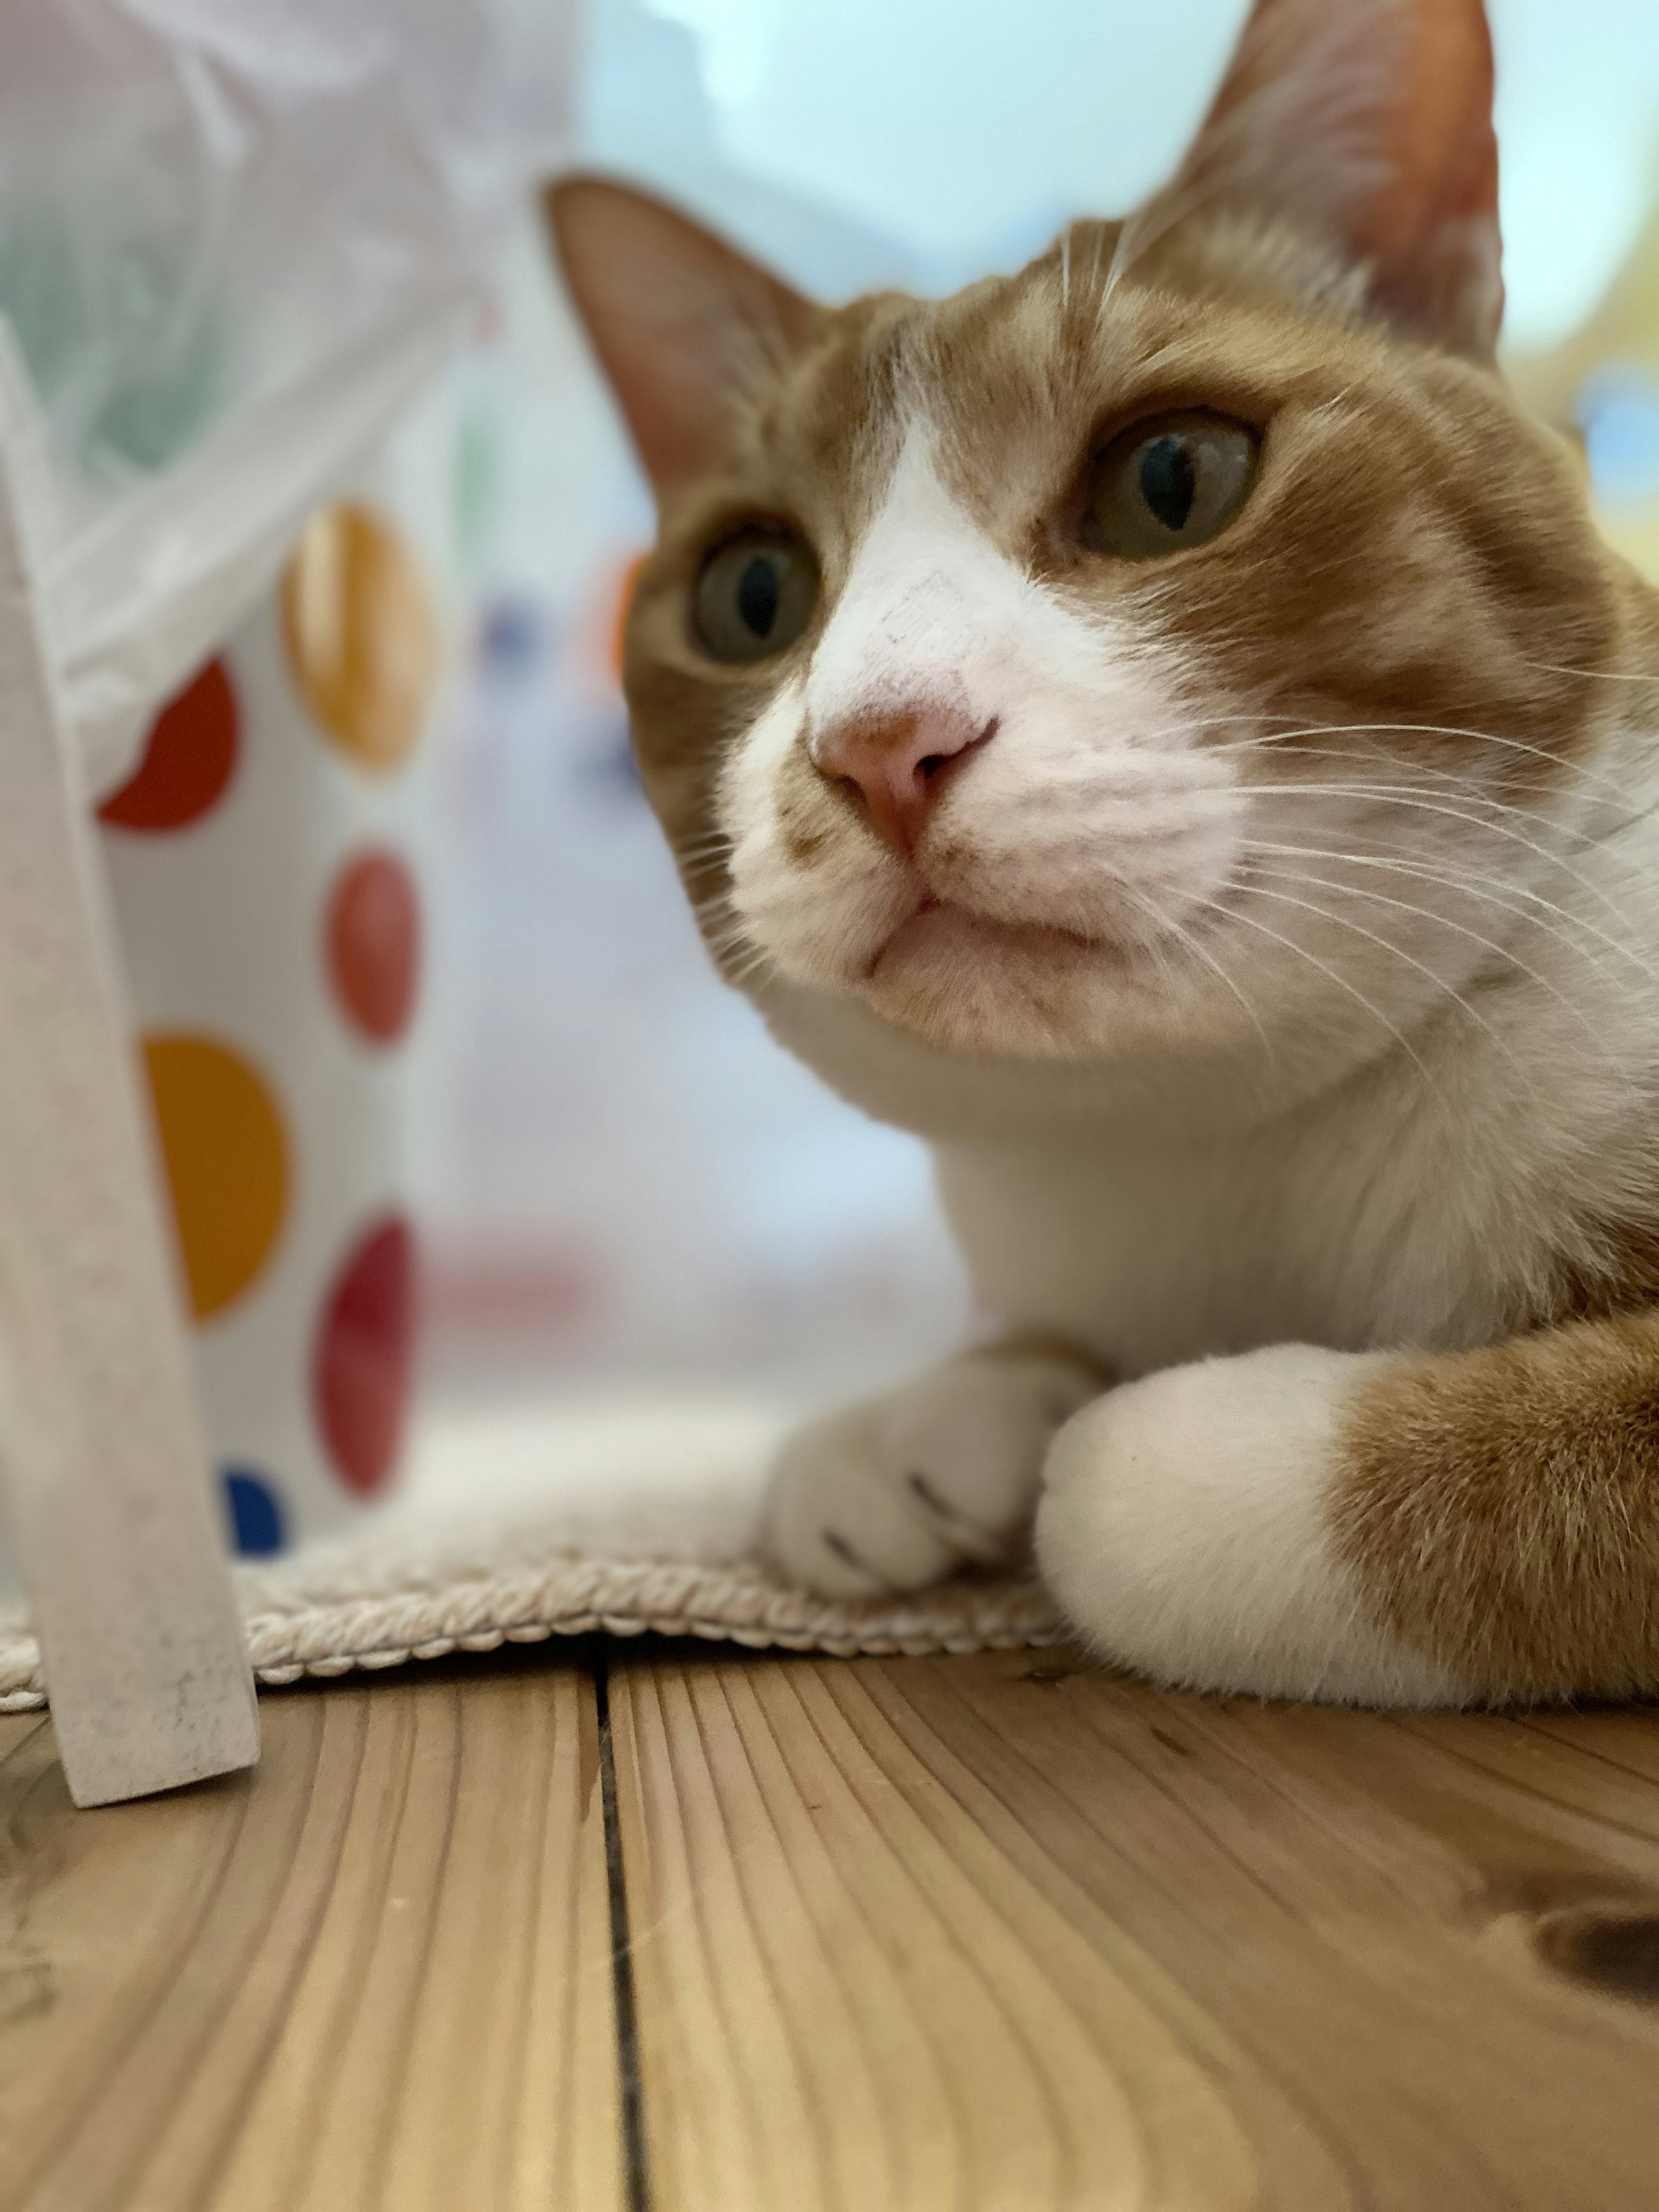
{"x": 1161, "y": 644}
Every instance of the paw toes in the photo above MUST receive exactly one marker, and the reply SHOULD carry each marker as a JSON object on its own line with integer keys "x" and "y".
{"x": 900, "y": 1492}
{"x": 969, "y": 1537}
{"x": 838, "y": 1523}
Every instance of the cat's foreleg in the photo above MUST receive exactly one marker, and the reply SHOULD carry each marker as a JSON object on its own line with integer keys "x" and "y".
{"x": 896, "y": 1492}
{"x": 1386, "y": 1528}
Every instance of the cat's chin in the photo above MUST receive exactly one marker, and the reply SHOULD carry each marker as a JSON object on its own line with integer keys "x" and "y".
{"x": 970, "y": 983}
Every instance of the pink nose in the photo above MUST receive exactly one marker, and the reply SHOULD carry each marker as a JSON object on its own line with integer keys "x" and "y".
{"x": 899, "y": 763}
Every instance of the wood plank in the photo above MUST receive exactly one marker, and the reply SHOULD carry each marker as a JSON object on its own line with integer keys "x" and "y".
{"x": 1009, "y": 1932}
{"x": 374, "y": 1973}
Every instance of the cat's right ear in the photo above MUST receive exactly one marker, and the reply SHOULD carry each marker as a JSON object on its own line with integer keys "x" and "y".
{"x": 1367, "y": 122}
{"x": 680, "y": 321}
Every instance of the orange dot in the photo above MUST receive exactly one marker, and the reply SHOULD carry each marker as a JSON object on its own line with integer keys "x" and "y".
{"x": 373, "y": 936}
{"x": 360, "y": 638}
{"x": 188, "y": 761}
{"x": 227, "y": 1162}
{"x": 625, "y": 590}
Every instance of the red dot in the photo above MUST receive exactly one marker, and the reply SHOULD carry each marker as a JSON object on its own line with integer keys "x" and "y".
{"x": 188, "y": 761}
{"x": 374, "y": 935}
{"x": 363, "y": 1362}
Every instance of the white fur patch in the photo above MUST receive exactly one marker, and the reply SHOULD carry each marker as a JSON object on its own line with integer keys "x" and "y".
{"x": 1093, "y": 811}
{"x": 932, "y": 611}
{"x": 825, "y": 930}
{"x": 1183, "y": 1528}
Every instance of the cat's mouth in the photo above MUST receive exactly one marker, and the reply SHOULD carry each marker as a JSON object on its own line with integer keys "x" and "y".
{"x": 972, "y": 981}
{"x": 938, "y": 931}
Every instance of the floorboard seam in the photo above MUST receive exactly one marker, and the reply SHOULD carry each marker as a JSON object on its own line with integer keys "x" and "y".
{"x": 635, "y": 2164}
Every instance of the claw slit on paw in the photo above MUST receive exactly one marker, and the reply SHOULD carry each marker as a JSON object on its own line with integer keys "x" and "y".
{"x": 921, "y": 1488}
{"x": 833, "y": 1541}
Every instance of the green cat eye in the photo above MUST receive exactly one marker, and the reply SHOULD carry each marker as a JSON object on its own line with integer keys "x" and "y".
{"x": 1168, "y": 484}
{"x": 755, "y": 596}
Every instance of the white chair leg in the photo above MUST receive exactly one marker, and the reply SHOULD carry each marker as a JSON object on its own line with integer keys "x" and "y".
{"x": 102, "y": 1461}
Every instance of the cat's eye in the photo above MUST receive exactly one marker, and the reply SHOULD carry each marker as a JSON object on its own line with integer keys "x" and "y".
{"x": 755, "y": 595}
{"x": 1168, "y": 484}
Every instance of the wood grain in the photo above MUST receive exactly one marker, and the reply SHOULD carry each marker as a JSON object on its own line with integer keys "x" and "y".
{"x": 375, "y": 1973}
{"x": 1003, "y": 1935}
{"x": 990, "y": 1933}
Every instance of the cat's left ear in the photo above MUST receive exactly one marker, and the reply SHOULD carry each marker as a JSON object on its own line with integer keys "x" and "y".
{"x": 1369, "y": 123}
{"x": 679, "y": 319}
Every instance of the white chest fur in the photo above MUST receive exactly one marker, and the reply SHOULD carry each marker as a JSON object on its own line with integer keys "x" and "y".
{"x": 1403, "y": 1209}
{"x": 1153, "y": 1253}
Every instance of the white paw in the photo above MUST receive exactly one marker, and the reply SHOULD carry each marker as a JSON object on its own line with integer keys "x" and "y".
{"x": 1183, "y": 1528}
{"x": 894, "y": 1493}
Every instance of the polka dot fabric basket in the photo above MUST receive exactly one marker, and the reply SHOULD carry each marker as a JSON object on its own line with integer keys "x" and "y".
{"x": 262, "y": 860}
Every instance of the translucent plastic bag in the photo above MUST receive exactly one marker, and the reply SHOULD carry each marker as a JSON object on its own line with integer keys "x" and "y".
{"x": 235, "y": 237}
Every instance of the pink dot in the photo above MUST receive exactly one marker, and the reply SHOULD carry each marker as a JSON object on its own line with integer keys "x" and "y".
{"x": 373, "y": 941}
{"x": 363, "y": 1361}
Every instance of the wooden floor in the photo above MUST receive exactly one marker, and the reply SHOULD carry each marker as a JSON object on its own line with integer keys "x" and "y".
{"x": 637, "y": 1926}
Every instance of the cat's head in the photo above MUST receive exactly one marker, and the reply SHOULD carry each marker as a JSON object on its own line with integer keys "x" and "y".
{"x": 1186, "y": 639}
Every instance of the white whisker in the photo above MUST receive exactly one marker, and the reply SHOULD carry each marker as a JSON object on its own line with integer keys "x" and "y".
{"x": 1536, "y": 910}
{"x": 1289, "y": 945}
{"x": 1271, "y": 741}
{"x": 1411, "y": 797}
{"x": 1388, "y": 944}
{"x": 1192, "y": 943}
{"x": 1444, "y": 921}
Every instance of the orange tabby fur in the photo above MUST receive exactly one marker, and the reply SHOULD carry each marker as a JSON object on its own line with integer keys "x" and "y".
{"x": 1412, "y": 625}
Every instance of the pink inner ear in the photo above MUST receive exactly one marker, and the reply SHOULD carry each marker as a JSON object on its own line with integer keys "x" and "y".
{"x": 1444, "y": 148}
{"x": 1371, "y": 120}
{"x": 674, "y": 314}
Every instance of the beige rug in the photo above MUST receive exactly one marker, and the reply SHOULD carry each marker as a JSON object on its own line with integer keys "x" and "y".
{"x": 515, "y": 1527}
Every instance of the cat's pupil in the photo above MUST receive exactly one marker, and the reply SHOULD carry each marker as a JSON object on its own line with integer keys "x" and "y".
{"x": 1169, "y": 482}
{"x": 758, "y": 595}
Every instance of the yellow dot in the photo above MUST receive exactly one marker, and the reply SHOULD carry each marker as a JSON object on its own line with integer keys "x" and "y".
{"x": 226, "y": 1161}
{"x": 360, "y": 635}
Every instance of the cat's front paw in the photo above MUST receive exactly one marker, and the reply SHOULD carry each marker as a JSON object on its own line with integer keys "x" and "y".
{"x": 1183, "y": 1530}
{"x": 894, "y": 1493}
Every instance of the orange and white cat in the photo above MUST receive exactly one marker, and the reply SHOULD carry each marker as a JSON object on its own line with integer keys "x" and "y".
{"x": 1163, "y": 727}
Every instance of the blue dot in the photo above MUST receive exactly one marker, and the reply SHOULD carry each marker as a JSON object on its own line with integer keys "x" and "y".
{"x": 512, "y": 636}
{"x": 1618, "y": 410}
{"x": 256, "y": 1513}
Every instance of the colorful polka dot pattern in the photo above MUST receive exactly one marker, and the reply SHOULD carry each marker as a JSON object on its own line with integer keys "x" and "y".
{"x": 227, "y": 1155}
{"x": 364, "y": 1356}
{"x": 360, "y": 640}
{"x": 258, "y": 1523}
{"x": 188, "y": 761}
{"x": 359, "y": 646}
{"x": 374, "y": 945}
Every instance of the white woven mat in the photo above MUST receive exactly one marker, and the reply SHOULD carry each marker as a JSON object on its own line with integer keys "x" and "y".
{"x": 515, "y": 1527}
